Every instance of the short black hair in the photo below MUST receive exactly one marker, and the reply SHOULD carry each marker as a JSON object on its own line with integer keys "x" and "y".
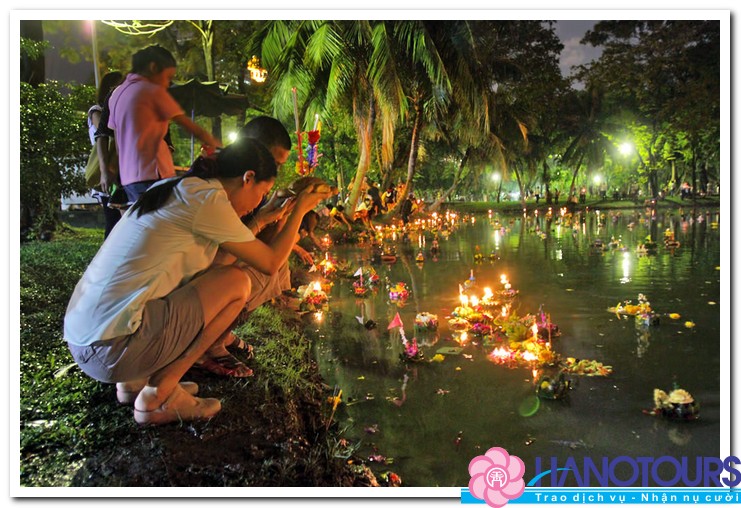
{"x": 268, "y": 131}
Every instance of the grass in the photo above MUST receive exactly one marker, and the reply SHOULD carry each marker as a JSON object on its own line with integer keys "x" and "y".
{"x": 270, "y": 432}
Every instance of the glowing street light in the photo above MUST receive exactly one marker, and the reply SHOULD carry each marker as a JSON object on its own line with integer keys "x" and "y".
{"x": 626, "y": 148}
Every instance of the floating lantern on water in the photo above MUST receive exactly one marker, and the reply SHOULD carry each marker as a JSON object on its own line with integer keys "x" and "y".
{"x": 398, "y": 293}
{"x": 411, "y": 352}
{"x": 312, "y": 297}
{"x": 424, "y": 321}
{"x": 676, "y": 405}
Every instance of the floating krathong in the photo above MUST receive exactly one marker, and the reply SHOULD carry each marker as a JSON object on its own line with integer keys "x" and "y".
{"x": 424, "y": 321}
{"x": 312, "y": 298}
{"x": 552, "y": 387}
{"x": 327, "y": 266}
{"x": 676, "y": 405}
{"x": 398, "y": 293}
{"x": 587, "y": 367}
{"x": 411, "y": 352}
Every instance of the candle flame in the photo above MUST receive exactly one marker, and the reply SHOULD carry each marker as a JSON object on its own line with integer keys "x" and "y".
{"x": 500, "y": 352}
{"x": 317, "y": 286}
{"x": 464, "y": 300}
{"x": 534, "y": 329}
{"x": 488, "y": 293}
{"x": 474, "y": 301}
{"x": 529, "y": 356}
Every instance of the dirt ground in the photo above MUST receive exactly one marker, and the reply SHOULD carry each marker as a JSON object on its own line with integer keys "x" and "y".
{"x": 256, "y": 440}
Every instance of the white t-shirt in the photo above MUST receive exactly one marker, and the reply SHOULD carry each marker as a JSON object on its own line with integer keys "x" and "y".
{"x": 148, "y": 257}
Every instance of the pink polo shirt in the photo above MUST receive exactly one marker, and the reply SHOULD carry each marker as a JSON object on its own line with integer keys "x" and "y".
{"x": 140, "y": 114}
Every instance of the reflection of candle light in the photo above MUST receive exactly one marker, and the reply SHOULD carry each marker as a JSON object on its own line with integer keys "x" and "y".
{"x": 473, "y": 220}
{"x": 318, "y": 316}
{"x": 464, "y": 337}
{"x": 535, "y": 374}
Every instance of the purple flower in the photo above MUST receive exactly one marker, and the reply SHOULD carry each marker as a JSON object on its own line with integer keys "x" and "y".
{"x": 496, "y": 477}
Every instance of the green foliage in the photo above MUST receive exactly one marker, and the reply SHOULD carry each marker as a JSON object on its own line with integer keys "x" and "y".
{"x": 33, "y": 49}
{"x": 54, "y": 146}
{"x": 60, "y": 415}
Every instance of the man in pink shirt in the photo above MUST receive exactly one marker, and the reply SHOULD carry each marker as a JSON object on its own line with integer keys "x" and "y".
{"x": 141, "y": 110}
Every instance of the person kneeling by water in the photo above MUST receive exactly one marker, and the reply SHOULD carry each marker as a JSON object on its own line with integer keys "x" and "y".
{"x": 151, "y": 304}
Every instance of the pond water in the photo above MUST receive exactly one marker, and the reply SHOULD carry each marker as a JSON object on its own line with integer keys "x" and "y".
{"x": 431, "y": 418}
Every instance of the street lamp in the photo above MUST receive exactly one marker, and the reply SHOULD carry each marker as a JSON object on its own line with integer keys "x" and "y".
{"x": 626, "y": 148}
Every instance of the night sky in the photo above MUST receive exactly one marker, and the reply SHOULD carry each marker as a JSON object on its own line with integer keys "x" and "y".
{"x": 570, "y": 32}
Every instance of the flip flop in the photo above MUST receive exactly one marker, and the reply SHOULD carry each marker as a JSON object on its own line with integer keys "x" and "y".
{"x": 243, "y": 347}
{"x": 226, "y": 365}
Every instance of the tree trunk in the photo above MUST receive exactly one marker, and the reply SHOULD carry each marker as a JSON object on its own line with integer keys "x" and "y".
{"x": 413, "y": 151}
{"x": 573, "y": 180}
{"x": 364, "y": 128}
{"x": 445, "y": 195}
{"x": 33, "y": 71}
{"x": 520, "y": 184}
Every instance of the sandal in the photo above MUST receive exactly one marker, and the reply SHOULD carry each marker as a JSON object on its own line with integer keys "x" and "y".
{"x": 126, "y": 393}
{"x": 226, "y": 365}
{"x": 243, "y": 347}
{"x": 180, "y": 406}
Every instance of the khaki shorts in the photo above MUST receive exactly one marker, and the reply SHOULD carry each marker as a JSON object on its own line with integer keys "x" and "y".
{"x": 169, "y": 325}
{"x": 266, "y": 287}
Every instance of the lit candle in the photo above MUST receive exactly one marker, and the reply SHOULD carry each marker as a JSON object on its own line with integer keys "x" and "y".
{"x": 317, "y": 286}
{"x": 316, "y": 121}
{"x": 488, "y": 294}
{"x": 534, "y": 329}
{"x": 464, "y": 300}
{"x": 474, "y": 301}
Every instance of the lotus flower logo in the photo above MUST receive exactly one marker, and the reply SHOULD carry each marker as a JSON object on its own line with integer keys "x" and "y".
{"x": 496, "y": 477}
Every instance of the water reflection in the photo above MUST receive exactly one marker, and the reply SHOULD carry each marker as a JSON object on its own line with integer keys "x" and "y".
{"x": 432, "y": 417}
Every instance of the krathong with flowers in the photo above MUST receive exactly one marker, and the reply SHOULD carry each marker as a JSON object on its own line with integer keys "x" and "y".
{"x": 411, "y": 352}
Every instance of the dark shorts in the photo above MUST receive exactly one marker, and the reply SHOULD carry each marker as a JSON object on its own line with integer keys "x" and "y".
{"x": 136, "y": 189}
{"x": 169, "y": 325}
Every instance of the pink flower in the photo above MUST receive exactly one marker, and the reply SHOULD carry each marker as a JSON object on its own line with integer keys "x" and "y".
{"x": 496, "y": 477}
